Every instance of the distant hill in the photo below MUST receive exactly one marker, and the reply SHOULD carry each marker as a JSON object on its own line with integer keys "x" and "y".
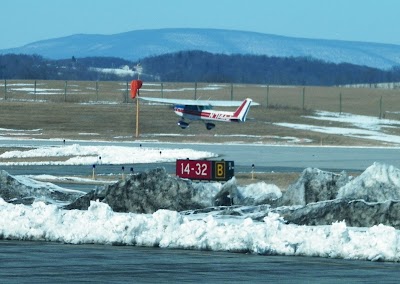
{"x": 138, "y": 44}
{"x": 196, "y": 66}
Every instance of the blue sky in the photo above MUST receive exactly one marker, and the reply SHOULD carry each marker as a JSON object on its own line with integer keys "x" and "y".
{"x": 26, "y": 21}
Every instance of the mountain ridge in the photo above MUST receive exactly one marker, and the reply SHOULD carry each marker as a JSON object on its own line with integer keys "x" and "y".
{"x": 138, "y": 44}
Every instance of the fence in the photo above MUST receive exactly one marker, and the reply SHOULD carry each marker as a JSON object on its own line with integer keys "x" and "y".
{"x": 365, "y": 101}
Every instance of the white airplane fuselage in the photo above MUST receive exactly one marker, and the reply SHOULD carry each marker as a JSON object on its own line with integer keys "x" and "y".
{"x": 211, "y": 115}
{"x": 198, "y": 112}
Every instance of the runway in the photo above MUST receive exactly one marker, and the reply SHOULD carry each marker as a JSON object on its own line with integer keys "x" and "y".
{"x": 265, "y": 158}
{"x": 63, "y": 263}
{"x": 44, "y": 262}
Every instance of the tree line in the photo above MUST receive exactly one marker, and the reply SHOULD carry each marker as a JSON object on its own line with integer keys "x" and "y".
{"x": 199, "y": 66}
{"x": 35, "y": 67}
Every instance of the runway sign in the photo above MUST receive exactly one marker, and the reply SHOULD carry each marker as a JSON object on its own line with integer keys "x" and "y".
{"x": 205, "y": 170}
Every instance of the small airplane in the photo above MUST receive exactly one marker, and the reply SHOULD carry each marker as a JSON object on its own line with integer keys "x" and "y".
{"x": 202, "y": 110}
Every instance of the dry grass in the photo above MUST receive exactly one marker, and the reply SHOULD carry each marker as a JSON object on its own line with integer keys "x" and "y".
{"x": 106, "y": 112}
{"x": 111, "y": 115}
{"x": 118, "y": 121}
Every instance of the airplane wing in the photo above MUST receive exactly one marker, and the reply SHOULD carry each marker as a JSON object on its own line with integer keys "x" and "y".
{"x": 195, "y": 102}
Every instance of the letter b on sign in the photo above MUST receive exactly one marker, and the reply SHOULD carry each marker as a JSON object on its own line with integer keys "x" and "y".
{"x": 223, "y": 170}
{"x": 220, "y": 169}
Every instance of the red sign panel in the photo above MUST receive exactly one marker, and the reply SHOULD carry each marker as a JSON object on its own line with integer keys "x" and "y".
{"x": 194, "y": 169}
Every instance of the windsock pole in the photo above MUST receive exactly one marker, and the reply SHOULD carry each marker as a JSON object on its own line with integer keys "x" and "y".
{"x": 135, "y": 86}
{"x": 137, "y": 115}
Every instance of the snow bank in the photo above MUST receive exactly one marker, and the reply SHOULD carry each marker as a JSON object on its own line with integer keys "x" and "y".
{"x": 168, "y": 229}
{"x": 378, "y": 183}
{"x": 21, "y": 189}
{"x": 89, "y": 155}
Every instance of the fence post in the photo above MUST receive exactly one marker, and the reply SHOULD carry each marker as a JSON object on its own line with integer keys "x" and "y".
{"x": 231, "y": 91}
{"x": 195, "y": 90}
{"x": 340, "y": 103}
{"x": 65, "y": 91}
{"x": 127, "y": 92}
{"x": 34, "y": 91}
{"x": 304, "y": 97}
{"x": 380, "y": 108}
{"x": 97, "y": 91}
{"x": 162, "y": 90}
{"x": 267, "y": 94}
{"x": 5, "y": 89}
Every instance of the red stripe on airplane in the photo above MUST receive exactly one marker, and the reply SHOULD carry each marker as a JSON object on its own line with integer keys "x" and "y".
{"x": 195, "y": 113}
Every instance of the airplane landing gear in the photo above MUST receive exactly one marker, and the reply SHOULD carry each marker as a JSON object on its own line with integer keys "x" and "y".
{"x": 183, "y": 124}
{"x": 210, "y": 126}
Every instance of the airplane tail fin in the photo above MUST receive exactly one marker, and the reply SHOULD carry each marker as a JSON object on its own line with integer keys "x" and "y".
{"x": 241, "y": 112}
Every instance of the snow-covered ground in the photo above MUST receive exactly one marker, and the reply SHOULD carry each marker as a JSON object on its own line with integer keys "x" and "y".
{"x": 366, "y": 127}
{"x": 171, "y": 229}
{"x": 91, "y": 155}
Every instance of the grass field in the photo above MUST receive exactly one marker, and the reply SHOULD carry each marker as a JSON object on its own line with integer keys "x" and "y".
{"x": 104, "y": 110}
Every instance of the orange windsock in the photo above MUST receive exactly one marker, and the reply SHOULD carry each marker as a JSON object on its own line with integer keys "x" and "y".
{"x": 135, "y": 86}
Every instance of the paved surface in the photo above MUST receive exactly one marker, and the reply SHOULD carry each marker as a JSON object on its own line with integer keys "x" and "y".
{"x": 42, "y": 262}
{"x": 39, "y": 262}
{"x": 280, "y": 158}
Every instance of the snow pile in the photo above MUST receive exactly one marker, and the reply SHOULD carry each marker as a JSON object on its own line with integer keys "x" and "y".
{"x": 368, "y": 200}
{"x": 314, "y": 200}
{"x": 313, "y": 185}
{"x": 378, "y": 183}
{"x": 22, "y": 189}
{"x": 168, "y": 229}
{"x": 260, "y": 193}
{"x": 144, "y": 192}
{"x": 356, "y": 213}
{"x": 254, "y": 194}
{"x": 152, "y": 190}
{"x": 321, "y": 214}
{"x": 89, "y": 155}
{"x": 205, "y": 193}
{"x": 255, "y": 229}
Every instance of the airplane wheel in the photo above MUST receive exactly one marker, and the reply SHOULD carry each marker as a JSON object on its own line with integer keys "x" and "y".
{"x": 183, "y": 124}
{"x": 210, "y": 126}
